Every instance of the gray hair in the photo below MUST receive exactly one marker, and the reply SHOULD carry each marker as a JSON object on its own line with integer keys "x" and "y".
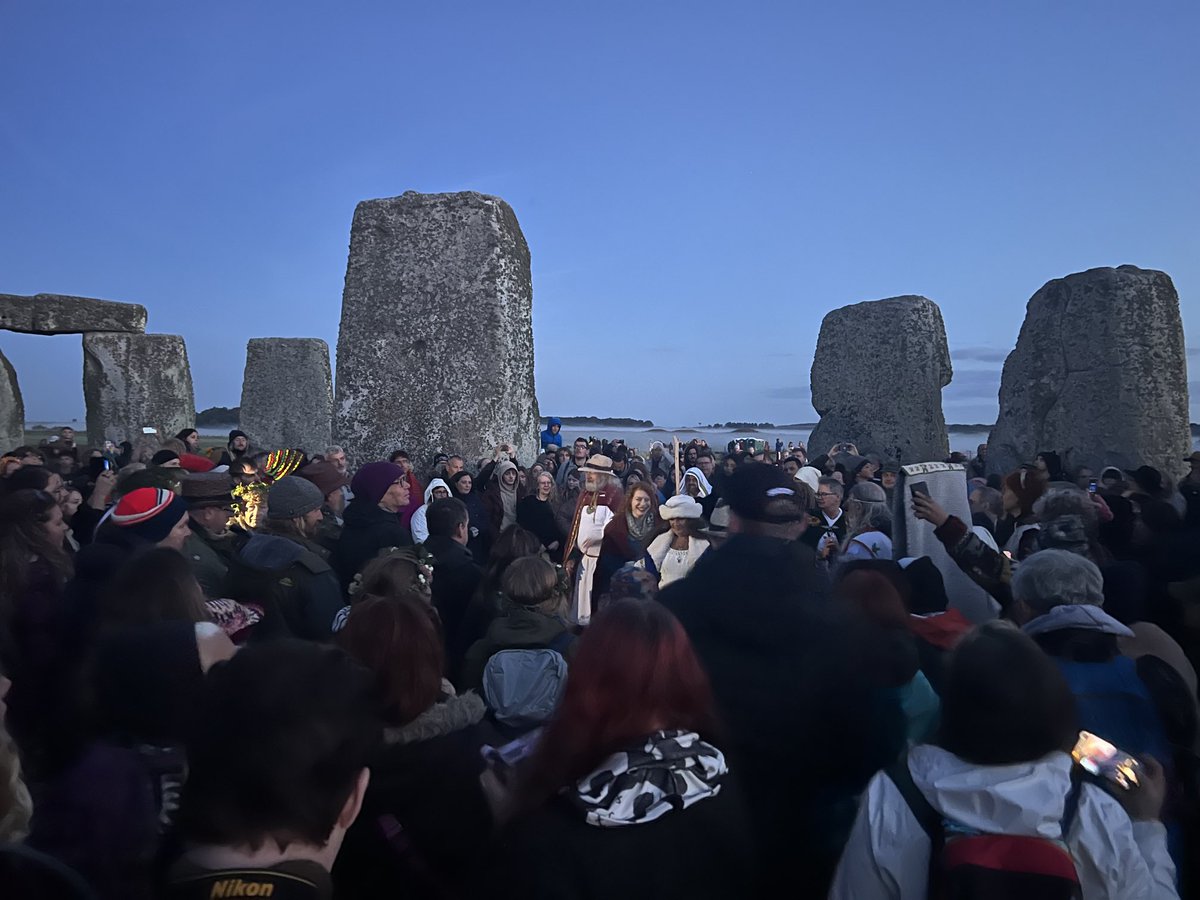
{"x": 333, "y": 449}
{"x": 991, "y": 500}
{"x": 1051, "y": 578}
{"x": 862, "y": 515}
{"x": 834, "y": 485}
{"x": 1067, "y": 500}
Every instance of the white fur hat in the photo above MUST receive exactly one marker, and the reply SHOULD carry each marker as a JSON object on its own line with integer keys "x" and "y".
{"x": 681, "y": 506}
{"x": 811, "y": 477}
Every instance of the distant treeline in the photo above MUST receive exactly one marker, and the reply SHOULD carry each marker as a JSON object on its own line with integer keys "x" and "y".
{"x": 612, "y": 423}
{"x": 216, "y": 416}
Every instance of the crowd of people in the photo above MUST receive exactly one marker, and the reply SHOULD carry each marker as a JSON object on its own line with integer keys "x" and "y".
{"x": 685, "y": 672}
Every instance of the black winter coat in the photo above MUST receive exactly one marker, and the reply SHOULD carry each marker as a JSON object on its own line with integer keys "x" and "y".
{"x": 538, "y": 516}
{"x": 456, "y": 577}
{"x": 805, "y": 728}
{"x": 704, "y": 851}
{"x": 425, "y": 794}
{"x": 366, "y": 529}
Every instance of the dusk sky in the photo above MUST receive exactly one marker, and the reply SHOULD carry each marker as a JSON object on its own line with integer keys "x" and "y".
{"x": 699, "y": 183}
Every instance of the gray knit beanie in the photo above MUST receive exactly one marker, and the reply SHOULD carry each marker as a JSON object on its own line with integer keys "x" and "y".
{"x": 291, "y": 497}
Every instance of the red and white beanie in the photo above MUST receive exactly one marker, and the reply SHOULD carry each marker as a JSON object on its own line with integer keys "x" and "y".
{"x": 150, "y": 513}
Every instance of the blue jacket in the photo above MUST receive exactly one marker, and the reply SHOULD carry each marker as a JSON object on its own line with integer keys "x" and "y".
{"x": 548, "y": 437}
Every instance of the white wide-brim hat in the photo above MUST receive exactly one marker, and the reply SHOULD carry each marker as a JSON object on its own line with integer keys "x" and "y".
{"x": 681, "y": 506}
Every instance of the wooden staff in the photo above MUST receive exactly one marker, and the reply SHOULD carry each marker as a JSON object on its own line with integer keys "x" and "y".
{"x": 678, "y": 480}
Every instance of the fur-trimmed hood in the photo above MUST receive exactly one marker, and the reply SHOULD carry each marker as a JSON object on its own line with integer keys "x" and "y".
{"x": 445, "y": 717}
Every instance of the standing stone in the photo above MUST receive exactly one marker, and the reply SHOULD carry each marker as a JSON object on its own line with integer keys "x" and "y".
{"x": 12, "y": 408}
{"x": 435, "y": 351}
{"x": 287, "y": 394}
{"x": 60, "y": 314}
{"x": 1099, "y": 375}
{"x": 132, "y": 381}
{"x": 877, "y": 380}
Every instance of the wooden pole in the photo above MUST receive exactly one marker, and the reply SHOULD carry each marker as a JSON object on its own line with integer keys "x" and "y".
{"x": 678, "y": 480}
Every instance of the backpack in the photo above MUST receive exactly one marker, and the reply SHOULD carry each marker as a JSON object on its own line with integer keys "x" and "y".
{"x": 991, "y": 866}
{"x": 522, "y": 687}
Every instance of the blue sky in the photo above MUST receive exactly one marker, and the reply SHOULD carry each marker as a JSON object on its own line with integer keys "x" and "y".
{"x": 699, "y": 183}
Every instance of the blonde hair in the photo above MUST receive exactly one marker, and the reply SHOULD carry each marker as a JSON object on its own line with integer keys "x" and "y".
{"x": 16, "y": 806}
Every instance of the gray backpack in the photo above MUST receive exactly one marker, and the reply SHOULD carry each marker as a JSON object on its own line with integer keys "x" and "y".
{"x": 522, "y": 687}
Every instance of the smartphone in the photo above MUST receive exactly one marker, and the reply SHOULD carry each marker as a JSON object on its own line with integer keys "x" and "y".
{"x": 1092, "y": 486}
{"x": 919, "y": 487}
{"x": 1098, "y": 757}
{"x": 510, "y": 754}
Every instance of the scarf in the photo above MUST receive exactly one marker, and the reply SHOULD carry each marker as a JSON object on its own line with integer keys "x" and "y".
{"x": 639, "y": 529}
{"x": 668, "y": 770}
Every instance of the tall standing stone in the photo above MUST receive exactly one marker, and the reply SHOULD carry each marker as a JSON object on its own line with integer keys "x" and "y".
{"x": 287, "y": 394}
{"x": 877, "y": 379}
{"x": 435, "y": 350}
{"x": 1099, "y": 375}
{"x": 132, "y": 381}
{"x": 12, "y": 408}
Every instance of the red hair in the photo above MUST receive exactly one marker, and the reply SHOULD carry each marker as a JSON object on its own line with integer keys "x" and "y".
{"x": 396, "y": 638}
{"x": 634, "y": 672}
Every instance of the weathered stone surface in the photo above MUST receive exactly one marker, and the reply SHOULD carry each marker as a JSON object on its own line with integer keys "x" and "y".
{"x": 12, "y": 408}
{"x": 1099, "y": 375}
{"x": 287, "y": 394}
{"x": 60, "y": 314}
{"x": 877, "y": 379}
{"x": 131, "y": 381}
{"x": 435, "y": 350}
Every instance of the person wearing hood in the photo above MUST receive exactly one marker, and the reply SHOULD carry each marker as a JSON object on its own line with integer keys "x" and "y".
{"x": 551, "y": 439}
{"x": 437, "y": 490}
{"x": 501, "y": 497}
{"x": 697, "y": 486}
{"x": 371, "y": 522}
{"x": 1001, "y": 766}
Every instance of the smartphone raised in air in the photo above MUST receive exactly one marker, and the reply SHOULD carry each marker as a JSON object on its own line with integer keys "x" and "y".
{"x": 919, "y": 487}
{"x": 1097, "y": 756}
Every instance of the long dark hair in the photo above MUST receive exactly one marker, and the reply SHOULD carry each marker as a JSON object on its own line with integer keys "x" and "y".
{"x": 23, "y": 540}
{"x": 156, "y": 585}
{"x": 513, "y": 543}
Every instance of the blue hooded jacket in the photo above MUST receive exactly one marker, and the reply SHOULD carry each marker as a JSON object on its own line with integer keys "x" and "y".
{"x": 548, "y": 437}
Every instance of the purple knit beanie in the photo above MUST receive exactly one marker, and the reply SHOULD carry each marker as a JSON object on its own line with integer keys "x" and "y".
{"x": 372, "y": 481}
